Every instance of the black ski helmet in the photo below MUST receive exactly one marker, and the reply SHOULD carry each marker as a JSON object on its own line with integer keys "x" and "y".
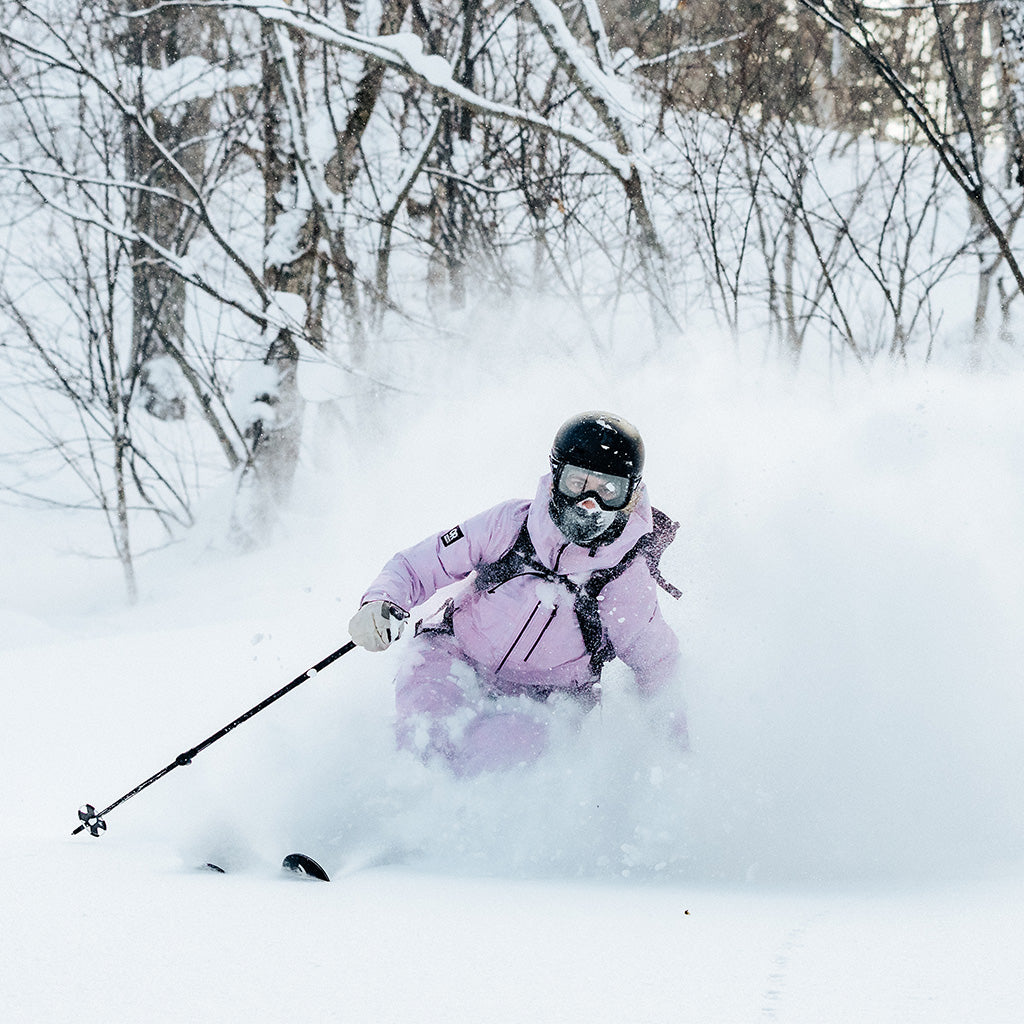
{"x": 600, "y": 441}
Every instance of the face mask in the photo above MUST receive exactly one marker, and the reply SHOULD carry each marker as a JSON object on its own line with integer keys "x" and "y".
{"x": 581, "y": 522}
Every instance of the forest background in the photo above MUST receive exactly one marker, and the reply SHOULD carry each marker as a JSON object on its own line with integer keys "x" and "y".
{"x": 241, "y": 238}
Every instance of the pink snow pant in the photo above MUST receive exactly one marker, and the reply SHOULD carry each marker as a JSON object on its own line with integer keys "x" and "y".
{"x": 446, "y": 708}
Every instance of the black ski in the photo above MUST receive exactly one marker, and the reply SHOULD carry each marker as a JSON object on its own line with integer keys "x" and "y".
{"x": 300, "y": 864}
{"x": 295, "y": 863}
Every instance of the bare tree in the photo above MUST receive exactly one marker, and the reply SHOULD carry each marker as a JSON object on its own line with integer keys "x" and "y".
{"x": 424, "y": 155}
{"x": 66, "y": 323}
{"x": 946, "y": 119}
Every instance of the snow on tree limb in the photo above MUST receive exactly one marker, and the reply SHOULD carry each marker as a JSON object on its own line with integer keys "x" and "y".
{"x": 272, "y": 317}
{"x": 605, "y": 93}
{"x": 610, "y": 101}
{"x": 598, "y": 35}
{"x": 121, "y": 184}
{"x": 191, "y": 78}
{"x": 403, "y": 52}
{"x": 680, "y": 51}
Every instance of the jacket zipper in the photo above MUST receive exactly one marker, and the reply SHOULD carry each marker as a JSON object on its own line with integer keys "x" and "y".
{"x": 518, "y": 638}
{"x": 526, "y": 625}
{"x": 558, "y": 557}
{"x": 544, "y": 629}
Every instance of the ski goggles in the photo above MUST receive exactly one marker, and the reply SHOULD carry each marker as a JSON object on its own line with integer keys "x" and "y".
{"x": 610, "y": 492}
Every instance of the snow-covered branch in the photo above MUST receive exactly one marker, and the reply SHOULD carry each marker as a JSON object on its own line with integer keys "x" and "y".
{"x": 403, "y": 52}
{"x": 605, "y": 93}
{"x": 191, "y": 78}
{"x": 682, "y": 51}
{"x": 271, "y": 317}
{"x": 598, "y": 34}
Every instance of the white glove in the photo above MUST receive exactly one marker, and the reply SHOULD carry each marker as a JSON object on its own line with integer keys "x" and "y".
{"x": 377, "y": 625}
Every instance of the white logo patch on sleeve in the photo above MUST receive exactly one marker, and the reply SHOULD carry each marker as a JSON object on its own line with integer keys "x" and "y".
{"x": 454, "y": 534}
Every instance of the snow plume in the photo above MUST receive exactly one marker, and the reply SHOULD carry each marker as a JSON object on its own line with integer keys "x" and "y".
{"x": 853, "y": 587}
{"x": 852, "y": 578}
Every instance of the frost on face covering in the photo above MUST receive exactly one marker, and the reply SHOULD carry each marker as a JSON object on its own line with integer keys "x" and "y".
{"x": 583, "y": 522}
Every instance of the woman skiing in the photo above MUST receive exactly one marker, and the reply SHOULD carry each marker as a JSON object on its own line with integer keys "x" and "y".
{"x": 560, "y": 586}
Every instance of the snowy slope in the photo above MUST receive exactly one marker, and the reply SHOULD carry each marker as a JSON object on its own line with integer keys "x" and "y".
{"x": 844, "y": 843}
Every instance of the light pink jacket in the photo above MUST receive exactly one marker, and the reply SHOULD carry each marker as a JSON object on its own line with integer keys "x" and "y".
{"x": 525, "y": 633}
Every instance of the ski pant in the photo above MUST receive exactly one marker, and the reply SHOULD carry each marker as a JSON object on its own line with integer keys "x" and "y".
{"x": 450, "y": 709}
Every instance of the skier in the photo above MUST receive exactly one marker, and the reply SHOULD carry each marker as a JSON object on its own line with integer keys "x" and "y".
{"x": 560, "y": 586}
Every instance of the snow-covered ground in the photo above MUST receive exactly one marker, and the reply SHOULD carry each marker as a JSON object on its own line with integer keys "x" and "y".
{"x": 845, "y": 842}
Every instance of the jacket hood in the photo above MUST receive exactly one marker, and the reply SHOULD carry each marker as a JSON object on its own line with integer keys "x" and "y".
{"x": 552, "y": 547}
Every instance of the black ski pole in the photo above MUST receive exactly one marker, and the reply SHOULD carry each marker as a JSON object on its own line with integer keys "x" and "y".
{"x": 93, "y": 820}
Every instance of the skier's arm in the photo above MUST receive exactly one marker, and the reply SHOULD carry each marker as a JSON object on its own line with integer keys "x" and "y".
{"x": 412, "y": 576}
{"x": 657, "y": 664}
{"x": 653, "y": 655}
{"x": 650, "y": 647}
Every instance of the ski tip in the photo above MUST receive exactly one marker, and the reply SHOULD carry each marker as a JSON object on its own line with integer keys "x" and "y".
{"x": 210, "y": 866}
{"x": 300, "y": 864}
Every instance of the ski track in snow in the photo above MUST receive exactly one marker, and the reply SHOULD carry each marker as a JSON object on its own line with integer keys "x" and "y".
{"x": 775, "y": 989}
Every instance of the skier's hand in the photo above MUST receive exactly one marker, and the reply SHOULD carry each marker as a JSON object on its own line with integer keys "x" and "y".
{"x": 377, "y": 625}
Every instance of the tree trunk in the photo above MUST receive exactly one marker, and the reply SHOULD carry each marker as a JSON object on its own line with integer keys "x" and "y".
{"x": 292, "y": 233}
{"x": 154, "y": 43}
{"x": 1010, "y": 17}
